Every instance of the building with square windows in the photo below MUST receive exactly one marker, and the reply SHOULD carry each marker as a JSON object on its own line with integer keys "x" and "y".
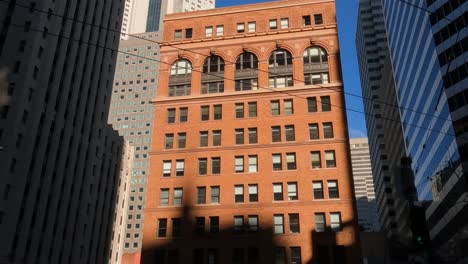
{"x": 250, "y": 155}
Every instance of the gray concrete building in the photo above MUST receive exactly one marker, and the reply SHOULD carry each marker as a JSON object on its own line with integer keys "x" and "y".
{"x": 60, "y": 164}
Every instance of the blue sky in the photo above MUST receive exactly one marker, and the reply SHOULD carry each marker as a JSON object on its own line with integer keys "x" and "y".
{"x": 346, "y": 12}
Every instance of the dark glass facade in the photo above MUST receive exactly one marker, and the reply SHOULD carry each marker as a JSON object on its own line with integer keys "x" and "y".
{"x": 154, "y": 15}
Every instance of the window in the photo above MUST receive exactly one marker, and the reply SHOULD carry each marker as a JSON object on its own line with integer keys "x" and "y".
{"x": 238, "y": 224}
{"x": 273, "y": 24}
{"x": 253, "y": 193}
{"x": 315, "y": 159}
{"x": 178, "y": 34}
{"x": 201, "y": 195}
{"x": 276, "y": 161}
{"x": 203, "y": 138}
{"x": 253, "y": 135}
{"x": 214, "y": 194}
{"x": 277, "y": 192}
{"x": 202, "y": 162}
{"x": 167, "y": 168}
{"x": 333, "y": 189}
{"x": 239, "y": 164}
{"x": 217, "y": 112}
{"x": 212, "y": 87}
{"x": 183, "y": 114}
{"x": 280, "y": 255}
{"x": 284, "y": 23}
{"x": 253, "y": 163}
{"x": 214, "y": 224}
{"x": 280, "y": 69}
{"x": 162, "y": 227}
{"x": 219, "y": 30}
{"x": 288, "y": 107}
{"x": 292, "y": 191}
{"x": 208, "y": 31}
{"x": 216, "y": 137}
{"x": 278, "y": 221}
{"x": 313, "y": 131}
{"x": 239, "y": 136}
{"x": 317, "y": 187}
{"x": 188, "y": 33}
{"x": 274, "y": 106}
{"x": 318, "y": 19}
{"x": 180, "y": 166}
{"x": 280, "y": 82}
{"x": 199, "y": 225}
{"x": 289, "y": 133}
{"x": 294, "y": 224}
{"x": 176, "y": 227}
{"x": 335, "y": 222}
{"x": 275, "y": 134}
{"x": 316, "y": 78}
{"x": 291, "y": 161}
{"x": 252, "y": 109}
{"x": 296, "y": 255}
{"x": 253, "y": 223}
{"x": 239, "y": 193}
{"x": 240, "y": 27}
{"x": 251, "y": 26}
{"x": 216, "y": 165}
{"x": 240, "y": 110}
{"x": 319, "y": 222}
{"x": 330, "y": 158}
{"x": 306, "y": 21}
{"x": 205, "y": 113}
{"x": 169, "y": 141}
{"x": 328, "y": 130}
{"x": 311, "y": 104}
{"x": 179, "y": 90}
{"x": 181, "y": 139}
{"x": 178, "y": 195}
{"x": 171, "y": 115}
{"x": 247, "y": 61}
{"x": 164, "y": 197}
{"x": 326, "y": 106}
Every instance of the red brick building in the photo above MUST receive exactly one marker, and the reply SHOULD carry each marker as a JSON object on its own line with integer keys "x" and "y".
{"x": 250, "y": 156}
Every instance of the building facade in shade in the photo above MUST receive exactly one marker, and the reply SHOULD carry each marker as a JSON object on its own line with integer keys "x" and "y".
{"x": 427, "y": 47}
{"x": 364, "y": 185}
{"x": 250, "y": 160}
{"x": 60, "y": 164}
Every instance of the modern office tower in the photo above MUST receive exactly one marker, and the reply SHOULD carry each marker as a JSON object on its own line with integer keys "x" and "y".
{"x": 364, "y": 185}
{"x": 250, "y": 158}
{"x": 386, "y": 144}
{"x": 427, "y": 43}
{"x": 60, "y": 163}
{"x": 119, "y": 230}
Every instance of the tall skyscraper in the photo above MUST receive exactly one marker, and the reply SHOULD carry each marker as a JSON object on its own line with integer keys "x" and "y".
{"x": 364, "y": 185}
{"x": 60, "y": 163}
{"x": 250, "y": 158}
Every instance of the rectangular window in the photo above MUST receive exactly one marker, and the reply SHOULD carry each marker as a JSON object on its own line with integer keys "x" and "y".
{"x": 306, "y": 21}
{"x": 239, "y": 164}
{"x": 333, "y": 189}
{"x": 180, "y": 167}
{"x": 296, "y": 255}
{"x": 219, "y": 30}
{"x": 239, "y": 136}
{"x": 291, "y": 161}
{"x": 214, "y": 194}
{"x": 253, "y": 163}
{"x": 181, "y": 139}
{"x": 277, "y": 192}
{"x": 318, "y": 19}
{"x": 217, "y": 112}
{"x": 288, "y": 107}
{"x": 164, "y": 196}
{"x": 313, "y": 131}
{"x": 205, "y": 113}
{"x": 253, "y": 135}
{"x": 311, "y": 104}
{"x": 201, "y": 195}
{"x": 253, "y": 193}
{"x": 317, "y": 187}
{"x": 214, "y": 224}
{"x": 292, "y": 191}
{"x": 284, "y": 23}
{"x": 169, "y": 141}
{"x": 326, "y": 106}
{"x": 216, "y": 137}
{"x": 289, "y": 133}
{"x": 183, "y": 114}
{"x": 327, "y": 130}
{"x": 253, "y": 223}
{"x": 276, "y": 161}
{"x": 239, "y": 193}
{"x": 330, "y": 158}
{"x": 178, "y": 196}
{"x": 162, "y": 227}
{"x": 199, "y": 225}
{"x": 251, "y": 26}
{"x": 275, "y": 134}
{"x": 178, "y": 34}
{"x": 319, "y": 222}
{"x": 240, "y": 27}
{"x": 202, "y": 170}
{"x": 274, "y": 106}
{"x": 188, "y": 33}
{"x": 216, "y": 165}
{"x": 273, "y": 24}
{"x": 176, "y": 227}
{"x": 335, "y": 222}
{"x": 278, "y": 221}
{"x": 167, "y": 164}
{"x": 252, "y": 109}
{"x": 280, "y": 255}
{"x": 315, "y": 159}
{"x": 208, "y": 31}
{"x": 203, "y": 138}
{"x": 238, "y": 224}
{"x": 171, "y": 115}
{"x": 240, "y": 110}
{"x": 294, "y": 223}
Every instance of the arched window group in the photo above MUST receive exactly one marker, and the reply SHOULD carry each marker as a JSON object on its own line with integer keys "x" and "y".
{"x": 315, "y": 66}
{"x": 180, "y": 78}
{"x": 280, "y": 69}
{"x": 246, "y": 74}
{"x": 213, "y": 75}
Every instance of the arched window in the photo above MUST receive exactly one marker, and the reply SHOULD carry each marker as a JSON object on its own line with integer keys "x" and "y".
{"x": 280, "y": 69}
{"x": 315, "y": 65}
{"x": 180, "y": 78}
{"x": 246, "y": 75}
{"x": 213, "y": 75}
